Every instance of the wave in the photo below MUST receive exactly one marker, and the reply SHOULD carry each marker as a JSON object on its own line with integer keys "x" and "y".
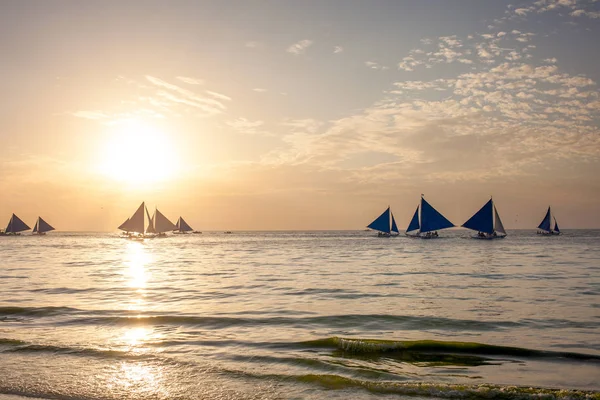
{"x": 374, "y": 346}
{"x": 447, "y": 391}
{"x": 74, "y": 316}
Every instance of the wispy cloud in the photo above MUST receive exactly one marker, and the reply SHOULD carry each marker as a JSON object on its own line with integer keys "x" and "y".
{"x": 191, "y": 81}
{"x": 376, "y": 65}
{"x": 246, "y": 126}
{"x": 219, "y": 96}
{"x": 177, "y": 95}
{"x": 299, "y": 47}
{"x": 259, "y": 90}
{"x": 338, "y": 49}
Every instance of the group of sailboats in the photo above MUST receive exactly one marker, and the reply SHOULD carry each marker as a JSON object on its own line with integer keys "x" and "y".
{"x": 16, "y": 226}
{"x": 427, "y": 221}
{"x": 142, "y": 226}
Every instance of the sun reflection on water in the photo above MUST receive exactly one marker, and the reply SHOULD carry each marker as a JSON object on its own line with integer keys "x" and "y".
{"x": 137, "y": 261}
{"x": 136, "y": 336}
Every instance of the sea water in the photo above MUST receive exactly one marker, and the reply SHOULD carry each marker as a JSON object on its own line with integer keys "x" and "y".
{"x": 300, "y": 315}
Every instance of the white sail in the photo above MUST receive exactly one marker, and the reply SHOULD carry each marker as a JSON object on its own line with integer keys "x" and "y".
{"x": 499, "y": 227}
{"x": 162, "y": 223}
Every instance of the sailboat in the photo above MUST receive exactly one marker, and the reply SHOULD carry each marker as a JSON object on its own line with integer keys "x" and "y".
{"x": 183, "y": 227}
{"x": 15, "y": 226}
{"x": 382, "y": 224}
{"x": 426, "y": 222}
{"x": 486, "y": 222}
{"x": 135, "y": 227}
{"x": 41, "y": 227}
{"x": 160, "y": 224}
{"x": 545, "y": 227}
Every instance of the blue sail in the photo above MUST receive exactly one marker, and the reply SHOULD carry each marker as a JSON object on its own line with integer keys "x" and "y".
{"x": 431, "y": 219}
{"x": 545, "y": 224}
{"x": 394, "y": 226}
{"x": 556, "y": 226}
{"x": 483, "y": 220}
{"x": 414, "y": 222}
{"x": 381, "y": 223}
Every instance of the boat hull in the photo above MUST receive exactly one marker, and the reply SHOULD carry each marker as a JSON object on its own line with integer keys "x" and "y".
{"x": 488, "y": 237}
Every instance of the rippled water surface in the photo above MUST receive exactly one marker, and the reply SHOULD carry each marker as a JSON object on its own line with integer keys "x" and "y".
{"x": 299, "y": 315}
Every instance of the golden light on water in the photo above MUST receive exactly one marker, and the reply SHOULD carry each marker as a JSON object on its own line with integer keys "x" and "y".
{"x": 136, "y": 265}
{"x": 138, "y": 153}
{"x": 136, "y": 336}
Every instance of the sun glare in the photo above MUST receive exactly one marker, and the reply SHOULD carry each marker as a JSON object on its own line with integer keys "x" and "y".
{"x": 138, "y": 153}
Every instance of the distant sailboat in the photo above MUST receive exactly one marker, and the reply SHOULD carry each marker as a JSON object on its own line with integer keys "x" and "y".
{"x": 546, "y": 228}
{"x": 41, "y": 227}
{"x": 385, "y": 224}
{"x": 136, "y": 227}
{"x": 15, "y": 226}
{"x": 486, "y": 222}
{"x": 182, "y": 227}
{"x": 160, "y": 224}
{"x": 426, "y": 222}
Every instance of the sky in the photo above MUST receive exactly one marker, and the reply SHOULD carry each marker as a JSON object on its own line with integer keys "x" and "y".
{"x": 284, "y": 115}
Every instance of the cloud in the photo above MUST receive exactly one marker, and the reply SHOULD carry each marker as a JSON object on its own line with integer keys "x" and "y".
{"x": 299, "y": 47}
{"x": 522, "y": 11}
{"x": 259, "y": 90}
{"x": 246, "y": 126}
{"x": 191, "y": 81}
{"x": 218, "y": 95}
{"x": 338, "y": 49}
{"x": 414, "y": 132}
{"x": 174, "y": 95}
{"x": 375, "y": 65}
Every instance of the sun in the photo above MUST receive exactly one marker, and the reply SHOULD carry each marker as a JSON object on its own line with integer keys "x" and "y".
{"x": 138, "y": 153}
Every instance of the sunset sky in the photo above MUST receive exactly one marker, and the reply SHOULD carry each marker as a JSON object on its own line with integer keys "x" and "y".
{"x": 299, "y": 114}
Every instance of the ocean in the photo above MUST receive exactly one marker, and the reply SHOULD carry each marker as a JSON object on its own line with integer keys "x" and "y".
{"x": 300, "y": 315}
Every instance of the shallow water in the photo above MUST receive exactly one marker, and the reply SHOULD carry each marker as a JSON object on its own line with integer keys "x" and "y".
{"x": 297, "y": 315}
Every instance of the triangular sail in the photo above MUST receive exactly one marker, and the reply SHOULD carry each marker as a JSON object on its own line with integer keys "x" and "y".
{"x": 124, "y": 225}
{"x": 381, "y": 223}
{"x": 394, "y": 226}
{"x": 136, "y": 222}
{"x": 162, "y": 223}
{"x": 42, "y": 226}
{"x": 556, "y": 226}
{"x": 15, "y": 225}
{"x": 498, "y": 223}
{"x": 483, "y": 220}
{"x": 545, "y": 224}
{"x": 183, "y": 226}
{"x": 431, "y": 219}
{"x": 414, "y": 222}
